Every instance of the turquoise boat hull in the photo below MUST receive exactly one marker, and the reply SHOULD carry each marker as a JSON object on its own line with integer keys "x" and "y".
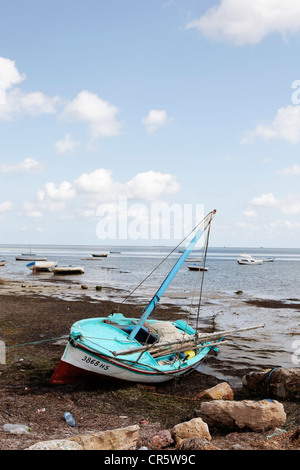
{"x": 92, "y": 352}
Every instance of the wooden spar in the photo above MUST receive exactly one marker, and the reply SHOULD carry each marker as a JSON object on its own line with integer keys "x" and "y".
{"x": 220, "y": 334}
{"x": 192, "y": 339}
{"x": 180, "y": 348}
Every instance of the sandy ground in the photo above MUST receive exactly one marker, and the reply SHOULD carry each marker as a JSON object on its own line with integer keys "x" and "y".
{"x": 32, "y": 314}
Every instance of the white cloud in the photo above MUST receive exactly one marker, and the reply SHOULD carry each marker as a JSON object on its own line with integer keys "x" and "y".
{"x": 291, "y": 225}
{"x": 66, "y": 144}
{"x": 32, "y": 211}
{"x": 6, "y": 206}
{"x": 264, "y": 200}
{"x": 35, "y": 103}
{"x": 285, "y": 125}
{"x": 64, "y": 192}
{"x": 51, "y": 198}
{"x": 14, "y": 101}
{"x": 249, "y": 212}
{"x": 101, "y": 116}
{"x": 146, "y": 186}
{"x": 155, "y": 119}
{"x": 9, "y": 74}
{"x": 91, "y": 189}
{"x": 292, "y": 208}
{"x": 29, "y": 165}
{"x": 98, "y": 183}
{"x": 249, "y": 21}
{"x": 246, "y": 225}
{"x": 291, "y": 204}
{"x": 293, "y": 170}
{"x": 150, "y": 185}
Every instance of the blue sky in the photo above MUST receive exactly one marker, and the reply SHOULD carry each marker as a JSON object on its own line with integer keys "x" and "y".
{"x": 176, "y": 103}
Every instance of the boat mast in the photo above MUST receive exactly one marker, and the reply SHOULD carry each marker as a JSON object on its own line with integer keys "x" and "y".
{"x": 156, "y": 298}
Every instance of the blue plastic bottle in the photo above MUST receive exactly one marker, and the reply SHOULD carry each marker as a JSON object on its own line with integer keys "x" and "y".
{"x": 69, "y": 419}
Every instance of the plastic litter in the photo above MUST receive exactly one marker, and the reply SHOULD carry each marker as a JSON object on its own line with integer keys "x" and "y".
{"x": 41, "y": 410}
{"x": 278, "y": 432}
{"x": 69, "y": 419}
{"x": 16, "y": 428}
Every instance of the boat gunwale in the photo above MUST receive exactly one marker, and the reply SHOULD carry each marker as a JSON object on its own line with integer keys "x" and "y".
{"x": 125, "y": 363}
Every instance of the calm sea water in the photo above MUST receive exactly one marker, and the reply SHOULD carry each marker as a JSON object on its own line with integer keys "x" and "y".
{"x": 221, "y": 308}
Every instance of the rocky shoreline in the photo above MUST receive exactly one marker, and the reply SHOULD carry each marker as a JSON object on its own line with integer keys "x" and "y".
{"x": 29, "y": 317}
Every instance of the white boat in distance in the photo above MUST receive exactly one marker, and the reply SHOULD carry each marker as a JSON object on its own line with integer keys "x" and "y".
{"x": 100, "y": 255}
{"x": 68, "y": 270}
{"x": 196, "y": 267}
{"x": 30, "y": 258}
{"x": 42, "y": 265}
{"x": 248, "y": 259}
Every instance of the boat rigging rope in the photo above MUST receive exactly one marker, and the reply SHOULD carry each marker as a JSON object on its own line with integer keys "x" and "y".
{"x": 202, "y": 279}
{"x": 171, "y": 252}
{"x": 196, "y": 283}
{"x": 34, "y": 342}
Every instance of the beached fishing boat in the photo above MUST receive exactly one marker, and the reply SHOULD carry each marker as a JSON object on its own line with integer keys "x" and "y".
{"x": 137, "y": 350}
{"x": 37, "y": 266}
{"x": 68, "y": 270}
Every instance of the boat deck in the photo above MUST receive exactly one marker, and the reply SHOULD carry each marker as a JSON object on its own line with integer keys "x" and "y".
{"x": 105, "y": 337}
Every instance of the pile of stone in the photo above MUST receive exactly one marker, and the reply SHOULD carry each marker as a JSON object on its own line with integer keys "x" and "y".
{"x": 217, "y": 409}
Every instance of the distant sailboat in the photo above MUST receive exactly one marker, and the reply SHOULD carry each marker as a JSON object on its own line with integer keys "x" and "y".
{"x": 30, "y": 257}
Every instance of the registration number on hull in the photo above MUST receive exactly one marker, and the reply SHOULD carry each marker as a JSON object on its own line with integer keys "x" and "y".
{"x": 95, "y": 362}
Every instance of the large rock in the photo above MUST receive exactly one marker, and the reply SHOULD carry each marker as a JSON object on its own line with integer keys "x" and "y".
{"x": 257, "y": 416}
{"x": 112, "y": 439}
{"x": 62, "y": 444}
{"x": 194, "y": 428}
{"x": 160, "y": 440}
{"x": 2, "y": 352}
{"x": 276, "y": 383}
{"x": 222, "y": 391}
{"x": 196, "y": 443}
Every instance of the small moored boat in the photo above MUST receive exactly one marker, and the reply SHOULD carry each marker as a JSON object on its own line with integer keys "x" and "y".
{"x": 68, "y": 270}
{"x": 36, "y": 266}
{"x": 101, "y": 255}
{"x": 30, "y": 258}
{"x": 248, "y": 260}
{"x": 3, "y": 263}
{"x": 196, "y": 267}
